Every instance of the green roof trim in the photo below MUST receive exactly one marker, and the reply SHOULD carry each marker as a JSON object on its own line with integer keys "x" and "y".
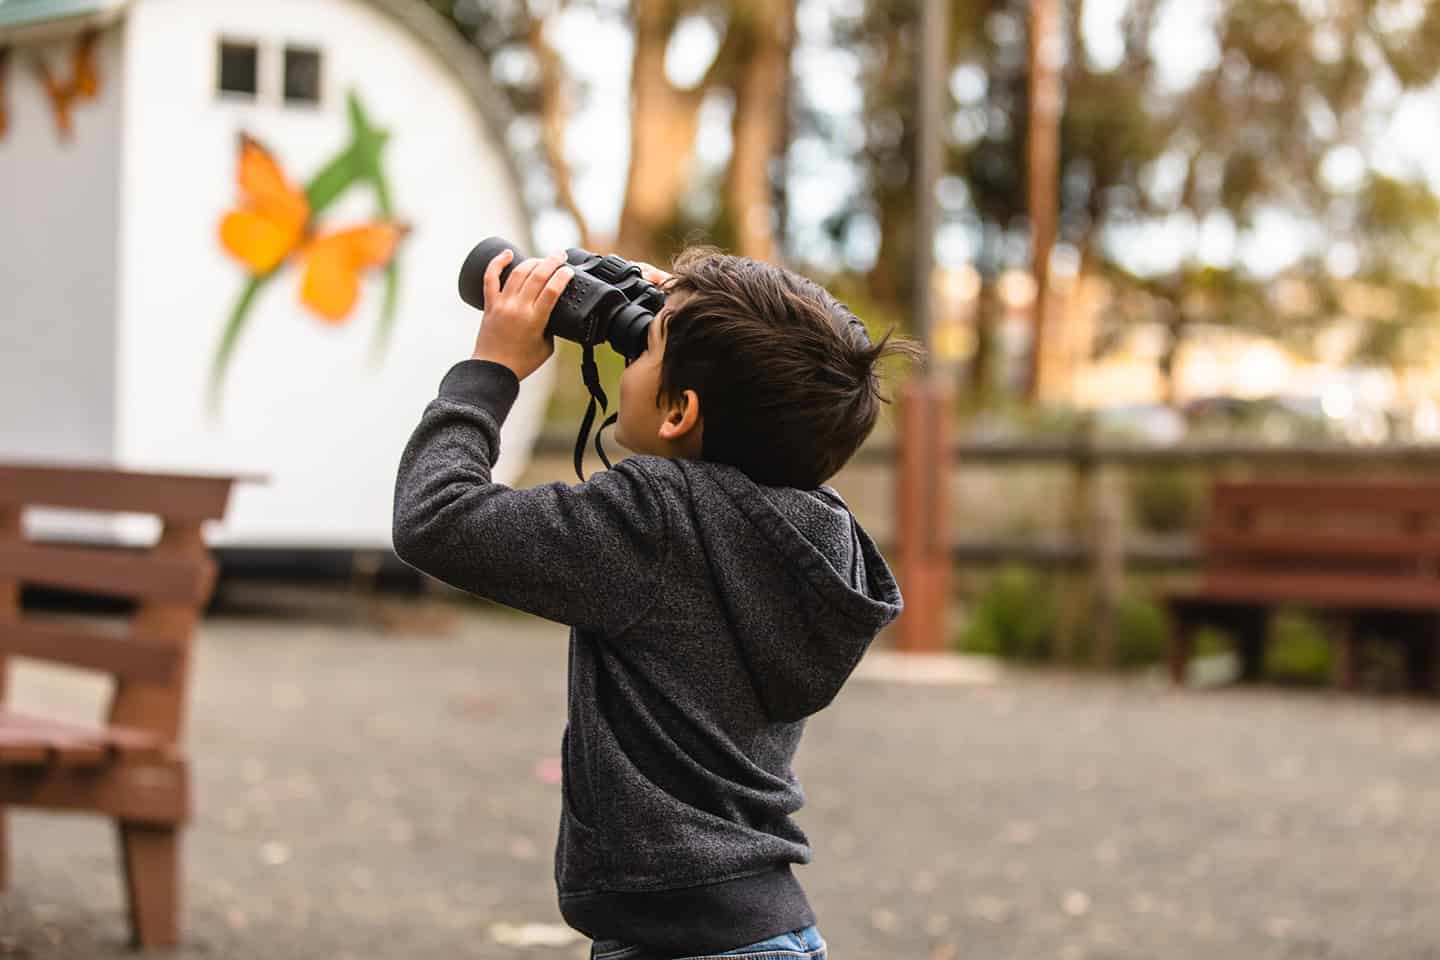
{"x": 26, "y": 13}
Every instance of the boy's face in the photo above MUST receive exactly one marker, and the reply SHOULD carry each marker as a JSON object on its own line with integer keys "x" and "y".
{"x": 643, "y": 426}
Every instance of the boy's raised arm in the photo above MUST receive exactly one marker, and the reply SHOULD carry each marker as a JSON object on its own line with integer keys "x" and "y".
{"x": 588, "y": 555}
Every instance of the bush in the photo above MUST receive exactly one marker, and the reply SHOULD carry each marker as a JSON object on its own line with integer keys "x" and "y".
{"x": 1141, "y": 630}
{"x": 1166, "y": 501}
{"x": 1297, "y": 650}
{"x": 1211, "y": 641}
{"x": 1014, "y": 618}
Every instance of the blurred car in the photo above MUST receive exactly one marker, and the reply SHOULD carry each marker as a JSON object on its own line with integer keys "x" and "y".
{"x": 1277, "y": 419}
{"x": 1148, "y": 422}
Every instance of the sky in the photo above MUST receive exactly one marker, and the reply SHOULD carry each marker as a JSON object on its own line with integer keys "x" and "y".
{"x": 598, "y": 138}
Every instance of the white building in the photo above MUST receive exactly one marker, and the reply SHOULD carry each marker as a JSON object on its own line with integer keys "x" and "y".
{"x": 116, "y": 289}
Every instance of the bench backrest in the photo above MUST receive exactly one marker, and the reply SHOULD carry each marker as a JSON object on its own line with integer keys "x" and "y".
{"x": 171, "y": 582}
{"x": 1375, "y": 526}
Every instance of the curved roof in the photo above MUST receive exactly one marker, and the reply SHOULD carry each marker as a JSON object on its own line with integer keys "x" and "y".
{"x": 469, "y": 67}
{"x": 22, "y": 20}
{"x": 37, "y": 19}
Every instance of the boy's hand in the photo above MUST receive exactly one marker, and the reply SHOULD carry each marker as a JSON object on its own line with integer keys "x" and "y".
{"x": 652, "y": 274}
{"x": 512, "y": 331}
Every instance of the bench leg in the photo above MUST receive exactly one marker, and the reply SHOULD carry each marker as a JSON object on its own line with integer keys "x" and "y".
{"x": 151, "y": 854}
{"x": 1420, "y": 656}
{"x": 1250, "y": 631}
{"x": 1345, "y": 642}
{"x": 1181, "y": 642}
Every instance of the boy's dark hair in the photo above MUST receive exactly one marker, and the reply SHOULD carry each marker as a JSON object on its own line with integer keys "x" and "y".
{"x": 785, "y": 372}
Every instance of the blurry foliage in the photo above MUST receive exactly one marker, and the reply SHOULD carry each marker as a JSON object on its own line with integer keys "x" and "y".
{"x": 1141, "y": 630}
{"x": 1169, "y": 500}
{"x": 1008, "y": 417}
{"x": 1014, "y": 617}
{"x": 1210, "y": 641}
{"x": 1295, "y": 92}
{"x": 1297, "y": 650}
{"x": 664, "y": 207}
{"x": 1279, "y": 123}
{"x": 660, "y": 211}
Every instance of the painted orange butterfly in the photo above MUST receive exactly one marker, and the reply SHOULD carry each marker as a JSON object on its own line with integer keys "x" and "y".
{"x": 273, "y": 223}
{"x": 83, "y": 84}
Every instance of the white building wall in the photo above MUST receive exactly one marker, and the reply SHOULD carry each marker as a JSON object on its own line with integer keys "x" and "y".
{"x": 58, "y": 217}
{"x": 303, "y": 402}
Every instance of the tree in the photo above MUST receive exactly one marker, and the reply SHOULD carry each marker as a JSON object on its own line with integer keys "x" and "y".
{"x": 1293, "y": 89}
{"x": 750, "y": 69}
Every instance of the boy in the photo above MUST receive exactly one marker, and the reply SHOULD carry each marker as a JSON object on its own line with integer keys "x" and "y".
{"x": 718, "y": 593}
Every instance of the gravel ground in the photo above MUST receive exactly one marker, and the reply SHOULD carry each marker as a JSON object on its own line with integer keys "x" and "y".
{"x": 367, "y": 789}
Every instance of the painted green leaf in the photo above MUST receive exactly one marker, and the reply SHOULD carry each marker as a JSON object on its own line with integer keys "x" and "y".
{"x": 332, "y": 181}
{"x": 229, "y": 336}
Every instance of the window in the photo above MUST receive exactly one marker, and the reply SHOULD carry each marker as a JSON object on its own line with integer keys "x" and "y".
{"x": 238, "y": 67}
{"x": 302, "y": 75}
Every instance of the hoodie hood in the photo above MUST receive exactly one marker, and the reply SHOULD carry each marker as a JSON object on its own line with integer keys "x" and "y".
{"x": 804, "y": 587}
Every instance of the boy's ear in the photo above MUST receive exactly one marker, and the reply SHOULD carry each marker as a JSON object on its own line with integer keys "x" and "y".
{"x": 683, "y": 418}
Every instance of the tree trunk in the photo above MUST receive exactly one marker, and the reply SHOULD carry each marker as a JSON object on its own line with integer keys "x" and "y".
{"x": 554, "y": 118}
{"x": 758, "y": 124}
{"x": 889, "y": 278}
{"x": 982, "y": 362}
{"x": 663, "y": 123}
{"x": 1175, "y": 325}
{"x": 1042, "y": 175}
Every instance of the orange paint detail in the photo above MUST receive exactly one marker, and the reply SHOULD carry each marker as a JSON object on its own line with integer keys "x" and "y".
{"x": 273, "y": 225}
{"x": 84, "y": 78}
{"x": 4, "y": 101}
{"x": 273, "y": 214}
{"x": 334, "y": 262}
{"x": 83, "y": 83}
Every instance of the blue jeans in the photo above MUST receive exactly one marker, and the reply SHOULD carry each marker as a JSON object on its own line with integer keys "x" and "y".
{"x": 797, "y": 945}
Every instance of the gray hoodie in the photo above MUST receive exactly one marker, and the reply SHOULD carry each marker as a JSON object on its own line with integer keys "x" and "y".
{"x": 710, "y": 617}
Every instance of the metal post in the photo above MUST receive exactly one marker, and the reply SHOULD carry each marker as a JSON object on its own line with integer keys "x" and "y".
{"x": 925, "y": 400}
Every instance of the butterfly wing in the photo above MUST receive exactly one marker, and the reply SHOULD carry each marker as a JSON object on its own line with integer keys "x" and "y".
{"x": 4, "y": 66}
{"x": 271, "y": 220}
{"x": 60, "y": 96}
{"x": 84, "y": 78}
{"x": 335, "y": 261}
{"x": 256, "y": 239}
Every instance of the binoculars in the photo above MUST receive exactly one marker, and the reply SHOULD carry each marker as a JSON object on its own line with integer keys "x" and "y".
{"x": 606, "y": 301}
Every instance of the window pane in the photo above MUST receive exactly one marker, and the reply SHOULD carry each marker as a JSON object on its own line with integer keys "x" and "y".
{"x": 302, "y": 75}
{"x": 237, "y": 68}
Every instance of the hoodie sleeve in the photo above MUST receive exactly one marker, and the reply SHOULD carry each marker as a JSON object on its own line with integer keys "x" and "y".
{"x": 588, "y": 555}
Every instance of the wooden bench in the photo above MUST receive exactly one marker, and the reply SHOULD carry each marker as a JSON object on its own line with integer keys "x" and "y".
{"x": 133, "y": 768}
{"x": 1362, "y": 553}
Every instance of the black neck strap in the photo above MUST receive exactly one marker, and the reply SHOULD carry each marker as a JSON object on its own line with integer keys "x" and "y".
{"x": 591, "y": 374}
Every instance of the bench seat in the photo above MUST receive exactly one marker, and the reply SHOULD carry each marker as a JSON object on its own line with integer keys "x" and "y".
{"x": 1363, "y": 552}
{"x": 40, "y": 742}
{"x": 1349, "y": 591}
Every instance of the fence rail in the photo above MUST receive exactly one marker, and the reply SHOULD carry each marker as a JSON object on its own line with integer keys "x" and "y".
{"x": 1093, "y": 542}
{"x": 1079, "y": 450}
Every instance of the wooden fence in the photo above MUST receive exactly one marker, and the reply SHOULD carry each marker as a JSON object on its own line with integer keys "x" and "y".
{"x": 1095, "y": 543}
